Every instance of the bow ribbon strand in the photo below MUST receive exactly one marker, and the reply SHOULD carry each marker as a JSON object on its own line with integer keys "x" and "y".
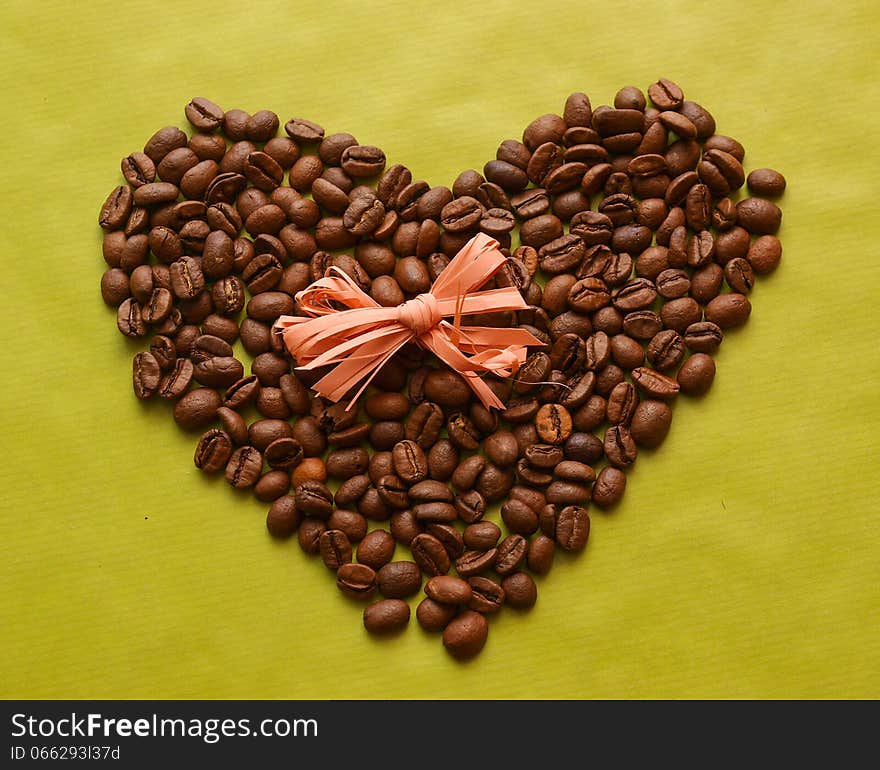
{"x": 359, "y": 340}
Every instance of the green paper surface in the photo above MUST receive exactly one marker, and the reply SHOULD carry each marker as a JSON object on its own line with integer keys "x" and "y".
{"x": 743, "y": 561}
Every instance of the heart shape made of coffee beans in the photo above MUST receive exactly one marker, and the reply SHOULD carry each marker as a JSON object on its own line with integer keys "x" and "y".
{"x": 621, "y": 231}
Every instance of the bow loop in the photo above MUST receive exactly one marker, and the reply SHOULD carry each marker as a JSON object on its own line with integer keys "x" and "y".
{"x": 359, "y": 340}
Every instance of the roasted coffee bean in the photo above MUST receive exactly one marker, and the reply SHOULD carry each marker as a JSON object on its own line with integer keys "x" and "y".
{"x": 501, "y": 448}
{"x": 696, "y": 374}
{"x": 637, "y": 294}
{"x": 335, "y": 548}
{"x": 666, "y": 350}
{"x": 393, "y": 491}
{"x": 728, "y": 310}
{"x": 481, "y": 535}
{"x": 433, "y": 616}
{"x": 560, "y": 254}
{"x": 766, "y": 182}
{"x": 739, "y": 275}
{"x": 146, "y": 375}
{"x": 197, "y": 409}
{"x": 283, "y": 518}
{"x": 261, "y": 433}
{"x": 373, "y": 507}
{"x": 445, "y": 387}
{"x": 204, "y": 114}
{"x": 472, "y": 563}
{"x": 466, "y": 635}
{"x": 376, "y": 549}
{"x": 764, "y": 254}
{"x": 362, "y": 161}
{"x": 442, "y": 460}
{"x": 519, "y": 517}
{"x": 650, "y": 424}
{"x": 163, "y": 350}
{"x": 272, "y": 485}
{"x": 487, "y": 596}
{"x": 357, "y": 581}
{"x": 129, "y": 319}
{"x": 520, "y": 591}
{"x": 241, "y": 392}
{"x": 285, "y": 452}
{"x": 511, "y": 553}
{"x": 244, "y": 467}
{"x": 424, "y": 424}
{"x": 654, "y": 384}
{"x": 310, "y": 469}
{"x": 756, "y": 215}
{"x": 400, "y": 579}
{"x": 494, "y": 483}
{"x": 622, "y": 402}
{"x": 573, "y": 528}
{"x": 462, "y": 432}
{"x": 539, "y": 559}
{"x": 174, "y": 384}
{"x": 351, "y": 490}
{"x": 620, "y": 449}
{"x": 213, "y": 451}
{"x": 438, "y": 512}
{"x": 386, "y": 616}
{"x": 553, "y": 423}
{"x": 446, "y": 589}
{"x": 345, "y": 463}
{"x": 313, "y": 498}
{"x": 410, "y": 462}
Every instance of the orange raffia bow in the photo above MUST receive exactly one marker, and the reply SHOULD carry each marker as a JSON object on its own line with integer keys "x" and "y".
{"x": 360, "y": 340}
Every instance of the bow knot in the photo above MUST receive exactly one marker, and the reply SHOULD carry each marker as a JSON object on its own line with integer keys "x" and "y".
{"x": 420, "y": 314}
{"x": 358, "y": 340}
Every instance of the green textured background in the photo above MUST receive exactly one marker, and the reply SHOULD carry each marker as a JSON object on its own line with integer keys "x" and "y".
{"x": 744, "y": 560}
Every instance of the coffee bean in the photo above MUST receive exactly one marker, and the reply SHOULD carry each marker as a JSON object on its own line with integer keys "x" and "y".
{"x": 410, "y": 462}
{"x": 728, "y": 310}
{"x": 313, "y": 498}
{"x": 335, "y": 548}
{"x": 309, "y": 535}
{"x": 197, "y": 409}
{"x": 244, "y": 467}
{"x": 757, "y": 215}
{"x": 520, "y": 591}
{"x": 462, "y": 432}
{"x": 696, "y": 374}
{"x": 442, "y": 460}
{"x": 146, "y": 375}
{"x": 430, "y": 555}
{"x": 466, "y": 635}
{"x": 764, "y": 254}
{"x": 356, "y": 581}
{"x": 386, "y": 616}
{"x": 654, "y": 384}
{"x": 283, "y": 518}
{"x": 766, "y": 182}
{"x": 376, "y": 549}
{"x": 553, "y": 423}
{"x": 620, "y": 449}
{"x": 400, "y": 579}
{"x": 573, "y": 528}
{"x": 272, "y": 485}
{"x": 448, "y": 590}
{"x": 213, "y": 451}
{"x": 540, "y": 554}
{"x": 666, "y": 350}
{"x": 433, "y": 616}
{"x": 519, "y": 517}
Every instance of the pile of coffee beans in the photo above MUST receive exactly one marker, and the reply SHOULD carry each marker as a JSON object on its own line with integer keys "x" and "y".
{"x": 627, "y": 235}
